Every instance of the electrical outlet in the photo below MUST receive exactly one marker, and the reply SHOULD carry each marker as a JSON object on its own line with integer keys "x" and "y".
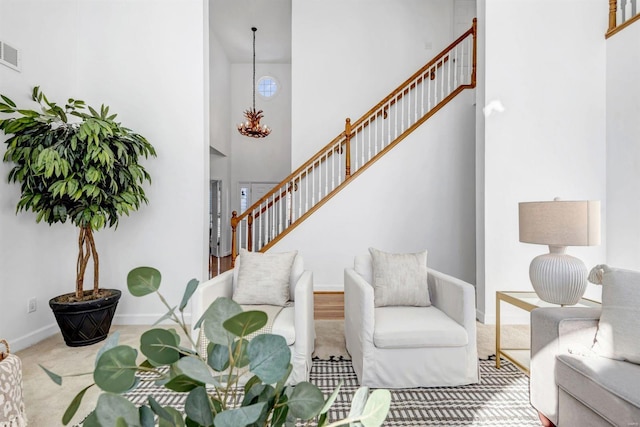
{"x": 32, "y": 305}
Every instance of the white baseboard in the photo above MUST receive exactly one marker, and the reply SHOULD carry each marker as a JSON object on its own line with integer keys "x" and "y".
{"x": 328, "y": 288}
{"x": 34, "y": 337}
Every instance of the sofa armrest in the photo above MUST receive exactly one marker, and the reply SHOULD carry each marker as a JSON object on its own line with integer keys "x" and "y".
{"x": 359, "y": 317}
{"x": 555, "y": 330}
{"x": 304, "y": 324}
{"x": 206, "y": 293}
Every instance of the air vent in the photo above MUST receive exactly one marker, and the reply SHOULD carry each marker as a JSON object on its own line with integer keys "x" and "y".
{"x": 9, "y": 56}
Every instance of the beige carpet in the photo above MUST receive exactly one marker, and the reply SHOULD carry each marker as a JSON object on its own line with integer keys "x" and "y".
{"x": 46, "y": 402}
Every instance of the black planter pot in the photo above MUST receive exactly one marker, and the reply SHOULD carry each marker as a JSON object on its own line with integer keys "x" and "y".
{"x": 86, "y": 322}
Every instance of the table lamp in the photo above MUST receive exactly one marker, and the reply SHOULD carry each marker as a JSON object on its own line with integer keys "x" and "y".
{"x": 556, "y": 277}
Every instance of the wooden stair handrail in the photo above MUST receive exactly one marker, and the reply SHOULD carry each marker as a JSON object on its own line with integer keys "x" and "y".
{"x": 613, "y": 27}
{"x": 345, "y": 137}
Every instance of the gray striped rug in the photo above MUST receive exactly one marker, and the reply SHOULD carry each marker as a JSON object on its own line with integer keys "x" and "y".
{"x": 500, "y": 399}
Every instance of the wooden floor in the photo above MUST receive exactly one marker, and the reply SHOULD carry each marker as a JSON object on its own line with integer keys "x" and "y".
{"x": 327, "y": 305}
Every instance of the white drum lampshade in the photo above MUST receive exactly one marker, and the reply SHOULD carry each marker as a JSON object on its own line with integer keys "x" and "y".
{"x": 556, "y": 277}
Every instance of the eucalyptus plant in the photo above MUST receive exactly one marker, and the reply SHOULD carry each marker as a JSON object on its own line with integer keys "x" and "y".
{"x": 75, "y": 165}
{"x": 214, "y": 396}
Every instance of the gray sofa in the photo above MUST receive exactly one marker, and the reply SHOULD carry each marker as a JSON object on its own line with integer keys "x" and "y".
{"x": 570, "y": 385}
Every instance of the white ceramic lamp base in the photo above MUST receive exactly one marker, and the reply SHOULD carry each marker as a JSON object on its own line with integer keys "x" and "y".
{"x": 558, "y": 278}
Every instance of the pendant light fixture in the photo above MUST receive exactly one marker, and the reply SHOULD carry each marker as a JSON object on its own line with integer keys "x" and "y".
{"x": 251, "y": 127}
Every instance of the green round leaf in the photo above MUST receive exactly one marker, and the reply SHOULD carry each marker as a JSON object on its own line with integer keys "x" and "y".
{"x": 182, "y": 383}
{"x": 376, "y": 409}
{"x": 245, "y": 323}
{"x": 306, "y": 401}
{"x": 116, "y": 369}
{"x": 111, "y": 407}
{"x": 188, "y": 292}
{"x": 196, "y": 369}
{"x": 269, "y": 357}
{"x": 159, "y": 345}
{"x": 218, "y": 357}
{"x": 143, "y": 281}
{"x": 176, "y": 418}
{"x": 197, "y": 407}
{"x": 243, "y": 416}
{"x": 213, "y": 318}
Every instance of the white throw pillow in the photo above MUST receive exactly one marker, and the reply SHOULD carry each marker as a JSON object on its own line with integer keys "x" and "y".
{"x": 400, "y": 279}
{"x": 618, "y": 335}
{"x": 263, "y": 278}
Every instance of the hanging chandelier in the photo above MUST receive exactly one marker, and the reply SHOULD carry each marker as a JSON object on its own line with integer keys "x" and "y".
{"x": 251, "y": 127}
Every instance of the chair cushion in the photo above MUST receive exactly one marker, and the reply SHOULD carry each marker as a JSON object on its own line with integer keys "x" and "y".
{"x": 284, "y": 325}
{"x": 263, "y": 278}
{"x": 414, "y": 327}
{"x": 618, "y": 335}
{"x": 400, "y": 279}
{"x": 608, "y": 387}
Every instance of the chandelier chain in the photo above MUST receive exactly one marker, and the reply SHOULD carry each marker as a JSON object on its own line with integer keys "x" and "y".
{"x": 254, "y": 29}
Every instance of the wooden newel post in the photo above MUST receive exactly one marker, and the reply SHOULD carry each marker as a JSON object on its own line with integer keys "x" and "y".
{"x": 475, "y": 52}
{"x": 347, "y": 135}
{"x": 234, "y": 239}
{"x": 612, "y": 14}
{"x": 250, "y": 232}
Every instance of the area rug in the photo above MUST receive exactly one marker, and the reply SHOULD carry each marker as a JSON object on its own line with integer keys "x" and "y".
{"x": 500, "y": 399}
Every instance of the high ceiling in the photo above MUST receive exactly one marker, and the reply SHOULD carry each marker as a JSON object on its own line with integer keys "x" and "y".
{"x": 232, "y": 20}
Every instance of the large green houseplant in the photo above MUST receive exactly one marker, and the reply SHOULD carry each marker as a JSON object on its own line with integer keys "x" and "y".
{"x": 211, "y": 382}
{"x": 75, "y": 163}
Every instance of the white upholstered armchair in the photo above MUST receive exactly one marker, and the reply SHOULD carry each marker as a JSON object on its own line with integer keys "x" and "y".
{"x": 407, "y": 346}
{"x": 294, "y": 322}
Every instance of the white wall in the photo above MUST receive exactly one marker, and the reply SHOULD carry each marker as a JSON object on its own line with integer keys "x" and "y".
{"x": 550, "y": 140}
{"x": 265, "y": 159}
{"x": 221, "y": 128}
{"x": 77, "y": 53}
{"x": 419, "y": 196}
{"x": 349, "y": 54}
{"x": 623, "y": 149}
{"x": 220, "y": 79}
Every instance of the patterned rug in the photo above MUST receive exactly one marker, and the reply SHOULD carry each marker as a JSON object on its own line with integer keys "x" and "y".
{"x": 500, "y": 399}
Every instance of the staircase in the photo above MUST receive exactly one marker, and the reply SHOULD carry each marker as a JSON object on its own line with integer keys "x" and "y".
{"x": 359, "y": 146}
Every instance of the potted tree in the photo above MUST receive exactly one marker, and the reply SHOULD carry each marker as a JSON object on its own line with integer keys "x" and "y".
{"x": 79, "y": 166}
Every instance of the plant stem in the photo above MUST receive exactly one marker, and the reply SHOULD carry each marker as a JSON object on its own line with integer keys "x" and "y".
{"x": 96, "y": 262}
{"x": 83, "y": 260}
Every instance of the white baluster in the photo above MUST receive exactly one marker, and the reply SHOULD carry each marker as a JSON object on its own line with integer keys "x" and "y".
{"x": 422, "y": 96}
{"x": 326, "y": 174}
{"x": 289, "y": 204}
{"x": 375, "y": 136}
{"x": 299, "y": 196}
{"x": 620, "y": 12}
{"x": 451, "y": 65}
{"x": 306, "y": 190}
{"x": 627, "y": 10}
{"x": 455, "y": 68}
{"x": 428, "y": 90}
{"x": 388, "y": 123}
{"x": 370, "y": 132}
{"x": 259, "y": 242}
{"x": 279, "y": 210}
{"x": 312, "y": 176}
{"x": 441, "y": 79}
